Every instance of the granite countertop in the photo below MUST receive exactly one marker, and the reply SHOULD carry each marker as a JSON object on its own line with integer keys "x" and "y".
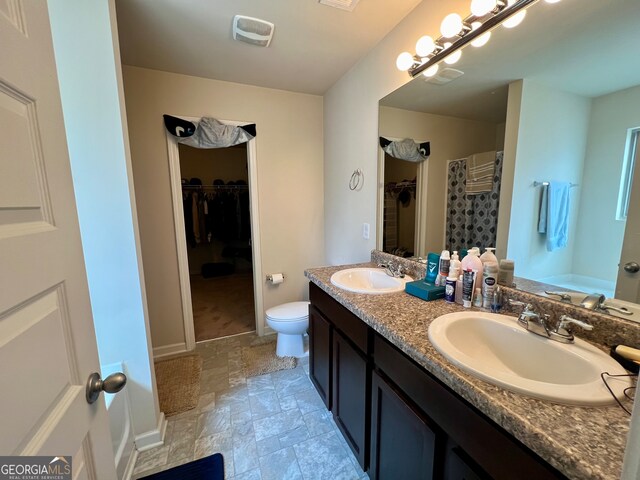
{"x": 581, "y": 442}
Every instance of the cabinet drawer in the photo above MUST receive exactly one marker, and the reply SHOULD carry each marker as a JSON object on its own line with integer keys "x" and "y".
{"x": 481, "y": 438}
{"x": 351, "y": 326}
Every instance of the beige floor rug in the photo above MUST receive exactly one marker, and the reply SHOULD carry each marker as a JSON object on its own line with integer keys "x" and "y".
{"x": 261, "y": 359}
{"x": 178, "y": 381}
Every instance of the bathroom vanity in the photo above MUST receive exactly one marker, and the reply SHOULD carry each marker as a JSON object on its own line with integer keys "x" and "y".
{"x": 406, "y": 412}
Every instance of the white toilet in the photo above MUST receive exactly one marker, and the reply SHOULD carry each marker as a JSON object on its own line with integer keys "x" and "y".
{"x": 290, "y": 321}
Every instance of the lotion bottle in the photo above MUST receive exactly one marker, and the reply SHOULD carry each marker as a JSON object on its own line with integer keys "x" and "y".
{"x": 455, "y": 263}
{"x": 472, "y": 262}
{"x": 488, "y": 256}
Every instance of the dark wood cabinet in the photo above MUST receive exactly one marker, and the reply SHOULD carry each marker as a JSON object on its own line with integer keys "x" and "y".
{"x": 459, "y": 466}
{"x": 350, "y": 405}
{"x": 320, "y": 344}
{"x": 403, "y": 442}
{"x": 400, "y": 421}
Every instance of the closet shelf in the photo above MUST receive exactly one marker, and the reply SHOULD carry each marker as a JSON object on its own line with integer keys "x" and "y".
{"x": 215, "y": 187}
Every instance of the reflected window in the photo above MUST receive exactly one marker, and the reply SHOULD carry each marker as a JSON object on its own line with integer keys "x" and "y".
{"x": 631, "y": 154}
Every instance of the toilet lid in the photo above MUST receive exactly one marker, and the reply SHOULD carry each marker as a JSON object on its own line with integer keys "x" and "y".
{"x": 289, "y": 311}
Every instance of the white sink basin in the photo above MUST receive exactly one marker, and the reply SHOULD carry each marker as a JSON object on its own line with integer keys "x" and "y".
{"x": 496, "y": 349}
{"x": 368, "y": 280}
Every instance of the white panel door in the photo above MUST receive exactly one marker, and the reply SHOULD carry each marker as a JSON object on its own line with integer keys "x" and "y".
{"x": 47, "y": 340}
{"x": 628, "y": 284}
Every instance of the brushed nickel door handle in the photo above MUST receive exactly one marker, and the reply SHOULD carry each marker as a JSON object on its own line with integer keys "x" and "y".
{"x": 631, "y": 267}
{"x": 112, "y": 384}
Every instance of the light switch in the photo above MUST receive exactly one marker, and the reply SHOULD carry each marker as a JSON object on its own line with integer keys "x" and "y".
{"x": 365, "y": 231}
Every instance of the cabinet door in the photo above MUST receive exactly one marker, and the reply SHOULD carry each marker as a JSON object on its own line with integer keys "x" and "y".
{"x": 460, "y": 467}
{"x": 350, "y": 401}
{"x": 320, "y": 354}
{"x": 403, "y": 445}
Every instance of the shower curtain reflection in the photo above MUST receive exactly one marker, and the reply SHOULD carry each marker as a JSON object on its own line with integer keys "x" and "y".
{"x": 472, "y": 220}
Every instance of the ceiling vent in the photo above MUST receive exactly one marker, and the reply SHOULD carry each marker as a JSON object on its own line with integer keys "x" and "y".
{"x": 252, "y": 30}
{"x": 348, "y": 5}
{"x": 444, "y": 76}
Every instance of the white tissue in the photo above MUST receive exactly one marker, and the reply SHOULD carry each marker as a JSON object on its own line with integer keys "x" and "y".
{"x": 277, "y": 278}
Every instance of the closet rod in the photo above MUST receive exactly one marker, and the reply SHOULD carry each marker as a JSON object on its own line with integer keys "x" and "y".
{"x": 216, "y": 187}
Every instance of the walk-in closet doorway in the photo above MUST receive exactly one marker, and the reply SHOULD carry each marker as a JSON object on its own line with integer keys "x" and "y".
{"x": 216, "y": 223}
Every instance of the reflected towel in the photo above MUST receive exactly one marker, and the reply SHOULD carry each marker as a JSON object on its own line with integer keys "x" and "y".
{"x": 557, "y": 215}
{"x": 544, "y": 200}
{"x": 481, "y": 169}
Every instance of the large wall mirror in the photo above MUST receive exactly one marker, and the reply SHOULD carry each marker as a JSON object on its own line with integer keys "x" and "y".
{"x": 552, "y": 104}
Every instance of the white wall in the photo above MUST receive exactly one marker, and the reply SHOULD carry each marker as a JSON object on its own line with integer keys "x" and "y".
{"x": 290, "y": 181}
{"x": 597, "y": 252}
{"x": 88, "y": 61}
{"x": 451, "y": 138}
{"x": 551, "y": 144}
{"x": 351, "y": 131}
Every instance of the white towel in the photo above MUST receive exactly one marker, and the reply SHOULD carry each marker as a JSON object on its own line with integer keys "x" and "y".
{"x": 481, "y": 169}
{"x": 557, "y": 215}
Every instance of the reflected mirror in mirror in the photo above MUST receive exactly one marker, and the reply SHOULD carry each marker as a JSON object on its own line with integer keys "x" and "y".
{"x": 560, "y": 96}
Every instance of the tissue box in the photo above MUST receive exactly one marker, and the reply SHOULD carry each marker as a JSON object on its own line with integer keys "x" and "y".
{"x": 425, "y": 291}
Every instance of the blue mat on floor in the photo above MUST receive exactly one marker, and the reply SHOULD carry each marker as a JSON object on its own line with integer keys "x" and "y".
{"x": 208, "y": 468}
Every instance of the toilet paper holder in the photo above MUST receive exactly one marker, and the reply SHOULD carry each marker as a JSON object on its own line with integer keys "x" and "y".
{"x": 270, "y": 277}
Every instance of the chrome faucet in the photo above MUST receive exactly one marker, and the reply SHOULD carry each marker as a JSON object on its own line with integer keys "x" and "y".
{"x": 597, "y": 302}
{"x": 531, "y": 320}
{"x": 564, "y": 296}
{"x": 536, "y": 323}
{"x": 389, "y": 270}
{"x": 593, "y": 301}
{"x": 563, "y": 330}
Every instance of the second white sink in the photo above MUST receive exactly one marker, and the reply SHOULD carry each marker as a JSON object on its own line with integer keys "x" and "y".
{"x": 368, "y": 280}
{"x": 496, "y": 349}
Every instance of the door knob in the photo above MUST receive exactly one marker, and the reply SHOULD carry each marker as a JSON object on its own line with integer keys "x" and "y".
{"x": 631, "y": 267}
{"x": 112, "y": 384}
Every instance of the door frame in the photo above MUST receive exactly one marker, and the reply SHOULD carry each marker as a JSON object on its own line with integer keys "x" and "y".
{"x": 181, "y": 241}
{"x": 422, "y": 178}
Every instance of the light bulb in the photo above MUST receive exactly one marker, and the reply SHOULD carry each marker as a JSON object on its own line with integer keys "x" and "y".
{"x": 552, "y": 1}
{"x": 425, "y": 45}
{"x": 481, "y": 7}
{"x": 404, "y": 61}
{"x": 451, "y": 25}
{"x": 482, "y": 39}
{"x": 431, "y": 71}
{"x": 516, "y": 19}
{"x": 454, "y": 57}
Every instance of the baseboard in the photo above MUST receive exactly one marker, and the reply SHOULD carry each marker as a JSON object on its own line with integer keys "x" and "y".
{"x": 167, "y": 350}
{"x": 153, "y": 438}
{"x": 131, "y": 465}
{"x": 269, "y": 331}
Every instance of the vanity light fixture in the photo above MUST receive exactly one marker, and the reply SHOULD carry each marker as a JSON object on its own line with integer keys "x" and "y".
{"x": 457, "y": 32}
{"x": 452, "y": 57}
{"x": 480, "y": 8}
{"x": 515, "y": 19}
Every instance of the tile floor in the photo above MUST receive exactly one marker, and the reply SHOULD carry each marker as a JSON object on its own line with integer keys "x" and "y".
{"x": 271, "y": 427}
